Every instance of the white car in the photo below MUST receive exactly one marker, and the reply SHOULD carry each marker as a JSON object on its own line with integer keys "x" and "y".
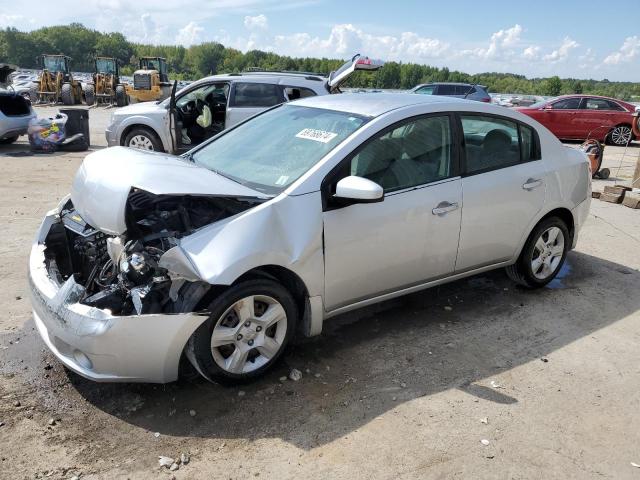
{"x": 175, "y": 124}
{"x": 15, "y": 111}
{"x": 306, "y": 211}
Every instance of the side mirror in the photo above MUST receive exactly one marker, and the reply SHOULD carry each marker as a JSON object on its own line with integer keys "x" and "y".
{"x": 359, "y": 190}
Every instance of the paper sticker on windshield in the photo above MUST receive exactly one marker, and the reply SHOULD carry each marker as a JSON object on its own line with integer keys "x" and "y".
{"x": 317, "y": 135}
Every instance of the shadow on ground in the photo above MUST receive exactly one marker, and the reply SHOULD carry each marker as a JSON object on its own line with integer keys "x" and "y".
{"x": 369, "y": 361}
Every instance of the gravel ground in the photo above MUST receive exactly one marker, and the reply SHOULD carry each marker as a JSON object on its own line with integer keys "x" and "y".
{"x": 503, "y": 383}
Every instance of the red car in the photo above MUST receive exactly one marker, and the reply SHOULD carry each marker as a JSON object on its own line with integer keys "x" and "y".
{"x": 578, "y": 117}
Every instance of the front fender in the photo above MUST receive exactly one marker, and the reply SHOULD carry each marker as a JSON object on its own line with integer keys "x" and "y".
{"x": 286, "y": 231}
{"x": 143, "y": 121}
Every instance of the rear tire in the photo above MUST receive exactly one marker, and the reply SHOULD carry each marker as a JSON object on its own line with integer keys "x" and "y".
{"x": 7, "y": 141}
{"x": 543, "y": 254}
{"x": 121, "y": 96}
{"x": 620, "y": 135}
{"x": 89, "y": 95}
{"x": 249, "y": 327}
{"x": 66, "y": 93}
{"x": 143, "y": 139}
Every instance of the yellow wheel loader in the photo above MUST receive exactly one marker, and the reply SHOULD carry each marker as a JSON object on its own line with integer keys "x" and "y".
{"x": 106, "y": 86}
{"x": 56, "y": 83}
{"x": 150, "y": 81}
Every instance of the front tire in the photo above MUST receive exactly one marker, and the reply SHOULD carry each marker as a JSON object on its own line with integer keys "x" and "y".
{"x": 143, "y": 139}
{"x": 620, "y": 135}
{"x": 543, "y": 254}
{"x": 7, "y": 141}
{"x": 121, "y": 96}
{"x": 66, "y": 93}
{"x": 249, "y": 327}
{"x": 89, "y": 95}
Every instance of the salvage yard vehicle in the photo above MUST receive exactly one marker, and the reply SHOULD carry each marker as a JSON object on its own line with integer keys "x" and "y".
{"x": 581, "y": 117}
{"x": 173, "y": 126}
{"x": 150, "y": 81}
{"x": 15, "y": 111}
{"x": 55, "y": 83}
{"x": 459, "y": 90}
{"x": 307, "y": 210}
{"x": 106, "y": 86}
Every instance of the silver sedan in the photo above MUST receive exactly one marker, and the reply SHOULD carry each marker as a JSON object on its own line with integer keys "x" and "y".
{"x": 306, "y": 211}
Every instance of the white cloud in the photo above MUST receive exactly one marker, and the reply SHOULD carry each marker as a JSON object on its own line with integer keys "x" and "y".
{"x": 531, "y": 53}
{"x": 629, "y": 51}
{"x": 501, "y": 44}
{"x": 346, "y": 39}
{"x": 259, "y": 22}
{"x": 563, "y": 52}
{"x": 189, "y": 34}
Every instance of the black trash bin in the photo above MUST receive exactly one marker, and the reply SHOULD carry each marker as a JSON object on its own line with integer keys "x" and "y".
{"x": 78, "y": 122}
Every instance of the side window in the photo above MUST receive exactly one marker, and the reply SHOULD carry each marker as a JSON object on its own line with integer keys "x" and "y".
{"x": 529, "y": 144}
{"x": 567, "y": 104}
{"x": 600, "y": 104}
{"x": 447, "y": 89}
{"x": 490, "y": 143}
{"x": 256, "y": 95}
{"x": 414, "y": 153}
{"x": 294, "y": 93}
{"x": 426, "y": 90}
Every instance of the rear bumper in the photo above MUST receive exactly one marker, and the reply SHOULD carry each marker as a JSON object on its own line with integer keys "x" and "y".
{"x": 14, "y": 126}
{"x": 580, "y": 213}
{"x": 93, "y": 342}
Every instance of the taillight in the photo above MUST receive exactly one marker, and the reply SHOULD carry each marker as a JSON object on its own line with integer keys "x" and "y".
{"x": 486, "y": 100}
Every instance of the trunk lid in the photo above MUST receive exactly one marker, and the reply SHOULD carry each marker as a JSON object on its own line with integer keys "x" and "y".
{"x": 357, "y": 62}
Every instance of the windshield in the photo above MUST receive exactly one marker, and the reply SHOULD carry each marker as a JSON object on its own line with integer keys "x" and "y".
{"x": 105, "y": 66}
{"x": 54, "y": 64}
{"x": 539, "y": 104}
{"x": 272, "y": 150}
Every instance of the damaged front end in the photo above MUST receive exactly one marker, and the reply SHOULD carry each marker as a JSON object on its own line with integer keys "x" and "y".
{"x": 107, "y": 305}
{"x": 126, "y": 273}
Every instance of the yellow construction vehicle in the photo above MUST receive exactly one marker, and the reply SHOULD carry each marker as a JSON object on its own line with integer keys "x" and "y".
{"x": 106, "y": 86}
{"x": 56, "y": 83}
{"x": 150, "y": 81}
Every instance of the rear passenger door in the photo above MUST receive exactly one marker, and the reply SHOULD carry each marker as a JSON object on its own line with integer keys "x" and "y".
{"x": 247, "y": 99}
{"x": 503, "y": 188}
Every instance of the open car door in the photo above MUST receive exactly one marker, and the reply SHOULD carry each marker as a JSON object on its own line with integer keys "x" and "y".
{"x": 358, "y": 62}
{"x": 175, "y": 124}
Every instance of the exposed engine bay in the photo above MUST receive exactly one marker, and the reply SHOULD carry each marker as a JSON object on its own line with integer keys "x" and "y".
{"x": 122, "y": 273}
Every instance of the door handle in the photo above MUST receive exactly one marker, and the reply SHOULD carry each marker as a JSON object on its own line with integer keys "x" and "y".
{"x": 444, "y": 207}
{"x": 532, "y": 183}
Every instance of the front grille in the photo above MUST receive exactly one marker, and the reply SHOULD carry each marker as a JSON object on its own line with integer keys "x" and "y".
{"x": 142, "y": 81}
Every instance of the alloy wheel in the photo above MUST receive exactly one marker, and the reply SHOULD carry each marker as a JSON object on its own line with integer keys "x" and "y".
{"x": 621, "y": 135}
{"x": 547, "y": 253}
{"x": 142, "y": 142}
{"x": 249, "y": 334}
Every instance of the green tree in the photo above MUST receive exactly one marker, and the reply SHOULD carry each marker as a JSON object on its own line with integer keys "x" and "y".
{"x": 553, "y": 86}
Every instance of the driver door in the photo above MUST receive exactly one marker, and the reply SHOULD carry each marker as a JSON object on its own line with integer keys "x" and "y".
{"x": 412, "y": 235}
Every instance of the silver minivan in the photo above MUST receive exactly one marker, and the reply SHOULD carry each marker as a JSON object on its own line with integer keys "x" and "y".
{"x": 212, "y": 104}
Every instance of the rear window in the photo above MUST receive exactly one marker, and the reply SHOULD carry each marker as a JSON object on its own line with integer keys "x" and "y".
{"x": 600, "y": 104}
{"x": 256, "y": 95}
{"x": 465, "y": 89}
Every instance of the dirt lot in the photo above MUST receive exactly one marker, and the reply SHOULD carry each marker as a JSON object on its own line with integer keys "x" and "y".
{"x": 406, "y": 389}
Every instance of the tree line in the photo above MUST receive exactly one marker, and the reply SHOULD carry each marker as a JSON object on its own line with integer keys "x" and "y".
{"x": 190, "y": 63}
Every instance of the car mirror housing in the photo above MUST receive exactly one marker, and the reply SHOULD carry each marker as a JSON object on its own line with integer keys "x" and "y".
{"x": 359, "y": 190}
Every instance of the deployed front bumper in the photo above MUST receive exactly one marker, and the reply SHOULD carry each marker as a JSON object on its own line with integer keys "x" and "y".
{"x": 93, "y": 342}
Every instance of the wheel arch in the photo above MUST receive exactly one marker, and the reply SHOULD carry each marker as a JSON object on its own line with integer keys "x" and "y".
{"x": 127, "y": 129}
{"x": 563, "y": 213}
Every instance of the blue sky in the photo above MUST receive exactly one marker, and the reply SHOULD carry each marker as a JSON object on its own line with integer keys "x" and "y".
{"x": 540, "y": 38}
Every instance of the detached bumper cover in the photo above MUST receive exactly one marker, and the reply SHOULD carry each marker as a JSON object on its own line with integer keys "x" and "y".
{"x": 96, "y": 344}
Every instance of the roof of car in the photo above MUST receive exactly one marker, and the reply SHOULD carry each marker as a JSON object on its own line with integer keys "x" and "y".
{"x": 587, "y": 95}
{"x": 280, "y": 78}
{"x": 373, "y": 104}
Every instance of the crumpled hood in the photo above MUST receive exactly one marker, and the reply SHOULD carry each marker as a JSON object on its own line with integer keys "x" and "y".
{"x": 105, "y": 178}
